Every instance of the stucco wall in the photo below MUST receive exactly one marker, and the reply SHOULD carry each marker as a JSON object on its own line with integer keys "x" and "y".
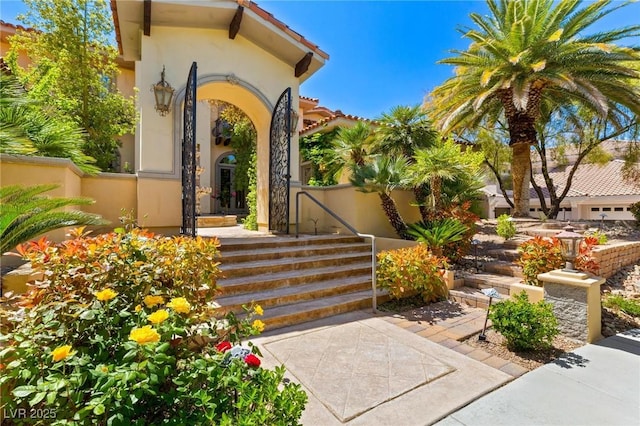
{"x": 613, "y": 257}
{"x": 113, "y": 193}
{"x": 361, "y": 211}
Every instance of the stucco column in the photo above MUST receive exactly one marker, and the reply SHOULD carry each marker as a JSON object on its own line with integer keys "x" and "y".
{"x": 575, "y": 297}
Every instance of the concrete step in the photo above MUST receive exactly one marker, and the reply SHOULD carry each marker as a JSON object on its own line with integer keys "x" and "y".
{"x": 236, "y": 244}
{"x": 504, "y": 254}
{"x": 285, "y": 315}
{"x": 470, "y": 297}
{"x": 273, "y": 280}
{"x": 500, "y": 282}
{"x": 290, "y": 264}
{"x": 269, "y": 253}
{"x": 501, "y": 267}
{"x": 288, "y": 295}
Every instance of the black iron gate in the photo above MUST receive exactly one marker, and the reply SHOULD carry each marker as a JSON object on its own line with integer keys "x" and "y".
{"x": 279, "y": 159}
{"x": 189, "y": 156}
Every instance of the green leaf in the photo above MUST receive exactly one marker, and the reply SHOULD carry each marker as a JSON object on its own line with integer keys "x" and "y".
{"x": 23, "y": 391}
{"x": 37, "y": 398}
{"x": 99, "y": 409}
{"x": 88, "y": 315}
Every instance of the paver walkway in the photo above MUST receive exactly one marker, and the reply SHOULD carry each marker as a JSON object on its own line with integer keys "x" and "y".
{"x": 448, "y": 323}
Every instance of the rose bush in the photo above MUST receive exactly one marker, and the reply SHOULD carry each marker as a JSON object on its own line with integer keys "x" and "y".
{"x": 122, "y": 331}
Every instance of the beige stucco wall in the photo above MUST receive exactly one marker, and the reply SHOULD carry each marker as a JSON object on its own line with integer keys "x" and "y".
{"x": 362, "y": 211}
{"x": 114, "y": 194}
{"x": 159, "y": 202}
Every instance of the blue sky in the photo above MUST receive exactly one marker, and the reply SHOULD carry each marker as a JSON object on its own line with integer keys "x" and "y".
{"x": 382, "y": 53}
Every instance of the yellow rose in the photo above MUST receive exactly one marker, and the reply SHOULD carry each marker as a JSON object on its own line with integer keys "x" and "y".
{"x": 152, "y": 301}
{"x": 106, "y": 294}
{"x": 144, "y": 335}
{"x": 258, "y": 310}
{"x": 258, "y": 325}
{"x": 158, "y": 316}
{"x": 179, "y": 304}
{"x": 61, "y": 352}
{"x": 138, "y": 308}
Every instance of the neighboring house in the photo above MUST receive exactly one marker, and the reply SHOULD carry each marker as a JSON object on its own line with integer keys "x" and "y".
{"x": 595, "y": 191}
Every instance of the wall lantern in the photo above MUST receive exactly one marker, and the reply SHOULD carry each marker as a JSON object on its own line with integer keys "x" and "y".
{"x": 164, "y": 94}
{"x": 293, "y": 117}
{"x": 569, "y": 246}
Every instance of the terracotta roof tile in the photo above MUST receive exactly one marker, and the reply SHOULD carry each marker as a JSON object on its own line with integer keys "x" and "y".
{"x": 307, "y": 98}
{"x": 336, "y": 115}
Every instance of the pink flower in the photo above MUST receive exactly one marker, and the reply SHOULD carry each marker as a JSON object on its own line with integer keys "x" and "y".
{"x": 252, "y": 360}
{"x": 223, "y": 346}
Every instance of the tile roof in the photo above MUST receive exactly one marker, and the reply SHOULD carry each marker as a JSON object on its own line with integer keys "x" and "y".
{"x": 307, "y": 98}
{"x": 592, "y": 180}
{"x": 335, "y": 116}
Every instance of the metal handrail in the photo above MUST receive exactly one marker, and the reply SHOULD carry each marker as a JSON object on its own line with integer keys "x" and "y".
{"x": 374, "y": 299}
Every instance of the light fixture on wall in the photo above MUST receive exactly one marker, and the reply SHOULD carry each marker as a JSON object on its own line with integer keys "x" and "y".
{"x": 293, "y": 117}
{"x": 164, "y": 94}
{"x": 569, "y": 246}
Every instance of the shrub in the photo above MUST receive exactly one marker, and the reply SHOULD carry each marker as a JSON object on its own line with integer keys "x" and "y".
{"x": 599, "y": 236}
{"x": 540, "y": 255}
{"x": 506, "y": 228}
{"x": 628, "y": 306}
{"x": 453, "y": 250}
{"x": 438, "y": 233}
{"x": 413, "y": 269}
{"x": 121, "y": 331}
{"x": 635, "y": 211}
{"x": 524, "y": 325}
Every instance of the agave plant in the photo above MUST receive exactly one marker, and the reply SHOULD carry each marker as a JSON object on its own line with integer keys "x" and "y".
{"x": 438, "y": 234}
{"x": 26, "y": 213}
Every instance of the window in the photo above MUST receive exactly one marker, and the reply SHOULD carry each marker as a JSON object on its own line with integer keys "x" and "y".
{"x": 595, "y": 209}
{"x": 606, "y": 209}
{"x": 628, "y": 209}
{"x": 567, "y": 209}
{"x": 532, "y": 210}
{"x": 618, "y": 209}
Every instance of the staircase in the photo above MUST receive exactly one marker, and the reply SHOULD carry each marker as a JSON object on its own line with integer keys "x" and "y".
{"x": 500, "y": 274}
{"x": 295, "y": 280}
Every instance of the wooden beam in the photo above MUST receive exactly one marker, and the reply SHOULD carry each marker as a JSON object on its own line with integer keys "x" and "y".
{"x": 234, "y": 26}
{"x": 303, "y": 64}
{"x": 147, "y": 17}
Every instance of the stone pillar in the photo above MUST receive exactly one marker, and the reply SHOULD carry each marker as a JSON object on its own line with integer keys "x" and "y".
{"x": 575, "y": 297}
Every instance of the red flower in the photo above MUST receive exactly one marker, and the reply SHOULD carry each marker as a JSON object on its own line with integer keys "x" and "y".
{"x": 223, "y": 346}
{"x": 252, "y": 360}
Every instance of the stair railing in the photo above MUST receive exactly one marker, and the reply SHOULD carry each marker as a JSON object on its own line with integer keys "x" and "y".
{"x": 374, "y": 299}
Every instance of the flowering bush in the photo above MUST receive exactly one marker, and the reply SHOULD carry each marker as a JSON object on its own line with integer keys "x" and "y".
{"x": 540, "y": 255}
{"x": 121, "y": 331}
{"x": 413, "y": 269}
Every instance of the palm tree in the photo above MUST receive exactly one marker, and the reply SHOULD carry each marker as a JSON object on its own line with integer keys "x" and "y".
{"x": 444, "y": 161}
{"x": 350, "y": 147}
{"x": 26, "y": 213}
{"x": 531, "y": 52}
{"x": 28, "y": 128}
{"x": 382, "y": 175}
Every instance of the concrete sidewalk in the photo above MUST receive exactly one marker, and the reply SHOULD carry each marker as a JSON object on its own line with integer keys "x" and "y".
{"x": 361, "y": 370}
{"x": 597, "y": 384}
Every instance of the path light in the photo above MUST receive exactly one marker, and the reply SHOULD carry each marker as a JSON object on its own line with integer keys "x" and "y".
{"x": 491, "y": 293}
{"x": 164, "y": 94}
{"x": 475, "y": 243}
{"x": 569, "y": 246}
{"x": 602, "y": 218}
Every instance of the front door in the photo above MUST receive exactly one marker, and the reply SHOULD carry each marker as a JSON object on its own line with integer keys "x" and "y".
{"x": 229, "y": 200}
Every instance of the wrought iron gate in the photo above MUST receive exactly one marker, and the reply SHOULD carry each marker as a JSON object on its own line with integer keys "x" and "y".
{"x": 189, "y": 156}
{"x": 279, "y": 167}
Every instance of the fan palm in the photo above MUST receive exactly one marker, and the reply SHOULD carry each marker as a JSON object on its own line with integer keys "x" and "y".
{"x": 26, "y": 213}
{"x": 531, "y": 52}
{"x": 444, "y": 161}
{"x": 382, "y": 175}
